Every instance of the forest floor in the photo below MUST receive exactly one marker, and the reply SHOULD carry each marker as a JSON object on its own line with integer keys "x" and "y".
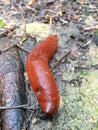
{"x": 75, "y": 22}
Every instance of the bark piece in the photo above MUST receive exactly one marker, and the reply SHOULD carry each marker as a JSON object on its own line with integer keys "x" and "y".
{"x": 12, "y": 86}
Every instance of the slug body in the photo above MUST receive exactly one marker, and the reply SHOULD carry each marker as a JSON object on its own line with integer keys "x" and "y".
{"x": 40, "y": 76}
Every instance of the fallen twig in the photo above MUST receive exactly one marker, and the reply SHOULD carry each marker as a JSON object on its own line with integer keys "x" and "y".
{"x": 62, "y": 20}
{"x": 25, "y": 106}
{"x": 86, "y": 44}
{"x": 60, "y": 59}
{"x": 14, "y": 107}
{"x": 17, "y": 45}
{"x": 90, "y": 28}
{"x": 21, "y": 47}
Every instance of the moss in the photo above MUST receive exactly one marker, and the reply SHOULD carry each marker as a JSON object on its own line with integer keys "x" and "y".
{"x": 80, "y": 104}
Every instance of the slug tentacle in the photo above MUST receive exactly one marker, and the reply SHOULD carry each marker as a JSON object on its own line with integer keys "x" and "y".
{"x": 41, "y": 78}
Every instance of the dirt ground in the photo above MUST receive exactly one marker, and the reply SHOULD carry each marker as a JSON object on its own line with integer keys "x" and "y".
{"x": 75, "y": 22}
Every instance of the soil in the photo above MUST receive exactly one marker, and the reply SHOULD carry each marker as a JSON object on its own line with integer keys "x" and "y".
{"x": 76, "y": 24}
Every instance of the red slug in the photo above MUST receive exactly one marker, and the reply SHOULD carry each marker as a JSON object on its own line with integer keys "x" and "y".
{"x": 40, "y": 75}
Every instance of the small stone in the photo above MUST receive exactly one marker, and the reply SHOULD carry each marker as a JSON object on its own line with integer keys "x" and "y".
{"x": 73, "y": 54}
{"x": 34, "y": 121}
{"x": 49, "y": 125}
